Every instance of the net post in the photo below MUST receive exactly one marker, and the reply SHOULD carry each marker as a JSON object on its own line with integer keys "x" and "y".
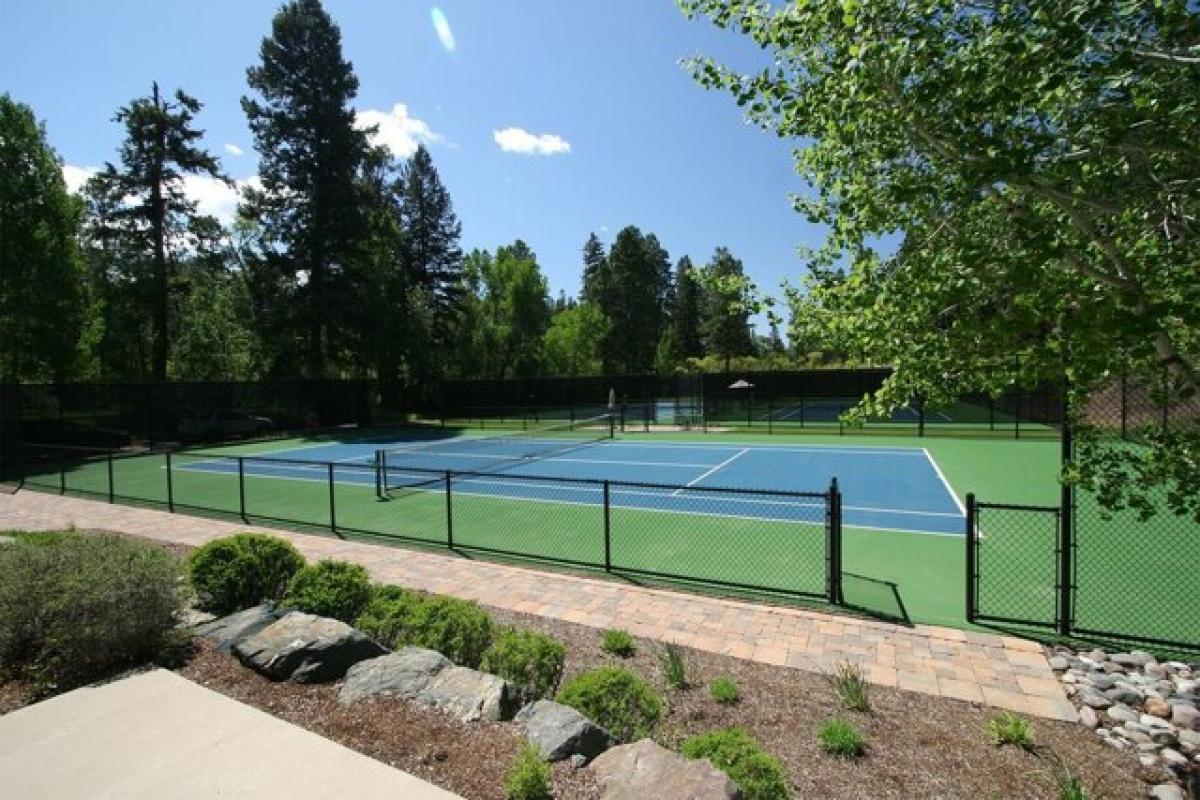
{"x": 449, "y": 514}
{"x": 1066, "y": 533}
{"x": 972, "y": 555}
{"x": 170, "y": 484}
{"x": 607, "y": 529}
{"x": 112, "y": 491}
{"x": 332, "y": 502}
{"x": 241, "y": 462}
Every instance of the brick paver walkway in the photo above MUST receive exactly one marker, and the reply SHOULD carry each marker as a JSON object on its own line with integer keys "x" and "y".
{"x": 1000, "y": 671}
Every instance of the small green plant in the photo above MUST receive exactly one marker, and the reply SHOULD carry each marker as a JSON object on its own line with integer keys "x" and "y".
{"x": 616, "y": 700}
{"x": 241, "y": 571}
{"x": 528, "y": 660}
{"x": 758, "y": 774}
{"x": 850, "y": 685}
{"x": 1067, "y": 786}
{"x": 619, "y": 643}
{"x": 840, "y": 738}
{"x": 337, "y": 589}
{"x": 528, "y": 778}
{"x": 1008, "y": 728}
{"x": 387, "y": 616}
{"x": 724, "y": 690}
{"x": 674, "y": 668}
{"x": 458, "y": 629}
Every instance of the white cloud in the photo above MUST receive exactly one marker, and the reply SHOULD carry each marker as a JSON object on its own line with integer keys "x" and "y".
{"x": 233, "y": 150}
{"x": 441, "y": 26}
{"x": 76, "y": 177}
{"x": 211, "y": 196}
{"x": 399, "y": 132}
{"x": 519, "y": 140}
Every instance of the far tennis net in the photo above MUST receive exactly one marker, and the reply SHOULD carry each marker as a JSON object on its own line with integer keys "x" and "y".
{"x": 414, "y": 466}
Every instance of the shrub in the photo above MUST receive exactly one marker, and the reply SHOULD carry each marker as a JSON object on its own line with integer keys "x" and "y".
{"x": 528, "y": 778}
{"x": 526, "y": 659}
{"x": 241, "y": 571}
{"x": 840, "y": 738}
{"x": 724, "y": 690}
{"x": 758, "y": 774}
{"x": 337, "y": 589}
{"x": 79, "y": 608}
{"x": 674, "y": 668}
{"x": 1008, "y": 728}
{"x": 619, "y": 643}
{"x": 458, "y": 629}
{"x": 616, "y": 700}
{"x": 387, "y": 616}
{"x": 850, "y": 686}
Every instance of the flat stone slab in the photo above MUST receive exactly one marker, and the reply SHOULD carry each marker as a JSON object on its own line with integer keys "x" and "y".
{"x": 229, "y": 630}
{"x": 305, "y": 648}
{"x": 430, "y": 679}
{"x": 645, "y": 769}
{"x": 559, "y": 732}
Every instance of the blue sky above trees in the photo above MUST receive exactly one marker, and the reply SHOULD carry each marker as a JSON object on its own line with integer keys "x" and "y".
{"x": 546, "y": 119}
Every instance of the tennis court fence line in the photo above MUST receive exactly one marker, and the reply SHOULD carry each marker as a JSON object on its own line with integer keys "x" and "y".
{"x": 782, "y": 543}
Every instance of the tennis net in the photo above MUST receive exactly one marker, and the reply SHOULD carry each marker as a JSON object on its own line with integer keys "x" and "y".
{"x": 414, "y": 466}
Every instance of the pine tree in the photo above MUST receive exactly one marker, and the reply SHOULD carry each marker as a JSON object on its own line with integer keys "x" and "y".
{"x": 148, "y": 210}
{"x": 310, "y": 155}
{"x": 728, "y": 318}
{"x": 687, "y": 315}
{"x": 635, "y": 299}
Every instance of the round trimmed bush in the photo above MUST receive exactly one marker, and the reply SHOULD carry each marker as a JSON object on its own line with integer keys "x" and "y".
{"x": 241, "y": 571}
{"x": 458, "y": 629}
{"x": 337, "y": 589}
{"x": 79, "y": 608}
{"x": 757, "y": 773}
{"x": 615, "y": 699}
{"x": 388, "y": 615}
{"x": 528, "y": 660}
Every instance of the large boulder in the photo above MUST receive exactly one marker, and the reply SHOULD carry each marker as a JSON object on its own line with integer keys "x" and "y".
{"x": 560, "y": 732}
{"x": 644, "y": 769}
{"x": 228, "y": 631}
{"x": 305, "y": 648}
{"x": 430, "y": 679}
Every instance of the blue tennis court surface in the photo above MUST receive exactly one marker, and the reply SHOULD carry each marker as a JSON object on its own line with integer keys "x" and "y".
{"x": 888, "y": 488}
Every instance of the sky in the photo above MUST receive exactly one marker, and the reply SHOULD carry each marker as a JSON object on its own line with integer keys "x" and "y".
{"x": 547, "y": 119}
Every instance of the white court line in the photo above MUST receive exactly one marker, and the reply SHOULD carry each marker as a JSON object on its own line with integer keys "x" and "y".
{"x": 945, "y": 482}
{"x": 720, "y": 466}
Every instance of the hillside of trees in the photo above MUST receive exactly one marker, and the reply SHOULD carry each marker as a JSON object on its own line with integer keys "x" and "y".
{"x": 343, "y": 261}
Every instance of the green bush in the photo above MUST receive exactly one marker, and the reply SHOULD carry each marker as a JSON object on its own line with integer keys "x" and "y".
{"x": 840, "y": 738}
{"x": 619, "y": 643}
{"x": 337, "y": 589}
{"x": 387, "y": 616}
{"x": 528, "y": 778}
{"x": 758, "y": 774}
{"x": 458, "y": 629}
{"x": 79, "y": 608}
{"x": 528, "y": 660}
{"x": 1008, "y": 728}
{"x": 724, "y": 690}
{"x": 850, "y": 686}
{"x": 616, "y": 700}
{"x": 674, "y": 668}
{"x": 241, "y": 571}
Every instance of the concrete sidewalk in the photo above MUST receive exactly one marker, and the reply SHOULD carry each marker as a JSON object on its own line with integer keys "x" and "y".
{"x": 156, "y": 735}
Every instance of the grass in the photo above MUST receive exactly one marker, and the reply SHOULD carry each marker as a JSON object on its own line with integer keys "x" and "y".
{"x": 724, "y": 691}
{"x": 1009, "y": 729}
{"x": 619, "y": 643}
{"x": 674, "y": 668}
{"x": 850, "y": 686}
{"x": 839, "y": 738}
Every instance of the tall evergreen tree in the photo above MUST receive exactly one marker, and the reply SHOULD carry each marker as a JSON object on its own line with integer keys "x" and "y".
{"x": 148, "y": 210}
{"x": 638, "y": 276}
{"x": 310, "y": 155}
{"x": 42, "y": 306}
{"x": 686, "y": 318}
{"x": 728, "y": 317}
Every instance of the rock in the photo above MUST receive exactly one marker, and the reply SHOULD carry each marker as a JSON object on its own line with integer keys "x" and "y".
{"x": 306, "y": 648}
{"x": 194, "y": 618}
{"x": 1102, "y": 681}
{"x": 1094, "y": 700}
{"x": 1148, "y": 759}
{"x": 1133, "y": 735}
{"x": 1186, "y": 687}
{"x": 579, "y": 761}
{"x": 1069, "y": 678}
{"x": 1155, "y": 670}
{"x": 1185, "y": 716}
{"x": 1154, "y": 722}
{"x": 1089, "y": 717}
{"x": 644, "y": 769}
{"x": 1098, "y": 655}
{"x": 1059, "y": 663}
{"x": 430, "y": 679}
{"x": 1173, "y": 758}
{"x": 1124, "y": 693}
{"x": 1135, "y": 660}
{"x": 560, "y": 731}
{"x": 228, "y": 631}
{"x": 1122, "y": 713}
{"x": 1112, "y": 667}
{"x": 1167, "y": 791}
{"x": 1189, "y": 741}
{"x": 1157, "y": 707}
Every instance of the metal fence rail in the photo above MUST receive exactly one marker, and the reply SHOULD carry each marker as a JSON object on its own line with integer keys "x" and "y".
{"x": 771, "y": 542}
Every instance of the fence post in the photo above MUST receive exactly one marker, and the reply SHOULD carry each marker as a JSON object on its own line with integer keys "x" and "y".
{"x": 241, "y": 462}
{"x": 112, "y": 491}
{"x": 833, "y": 544}
{"x": 170, "y": 485}
{"x": 607, "y": 530}
{"x": 449, "y": 514}
{"x": 972, "y": 557}
{"x": 332, "y": 502}
{"x": 1066, "y": 533}
{"x": 1124, "y": 405}
{"x": 62, "y": 475}
{"x": 920, "y": 416}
